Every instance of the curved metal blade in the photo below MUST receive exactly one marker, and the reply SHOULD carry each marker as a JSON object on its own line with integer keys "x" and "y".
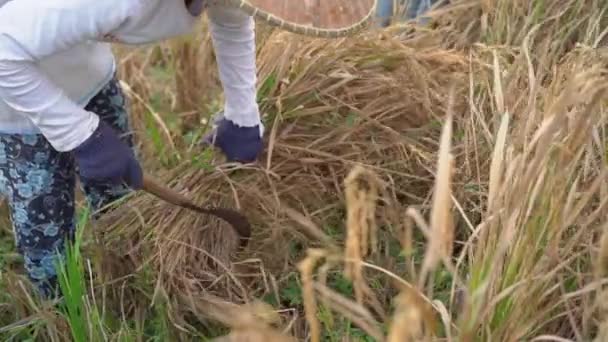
{"x": 239, "y": 222}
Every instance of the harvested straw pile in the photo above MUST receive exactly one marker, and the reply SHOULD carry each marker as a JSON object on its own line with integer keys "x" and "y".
{"x": 541, "y": 211}
{"x": 330, "y": 106}
{"x": 519, "y": 164}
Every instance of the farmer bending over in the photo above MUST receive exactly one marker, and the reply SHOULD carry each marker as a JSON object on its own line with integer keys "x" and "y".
{"x": 62, "y": 111}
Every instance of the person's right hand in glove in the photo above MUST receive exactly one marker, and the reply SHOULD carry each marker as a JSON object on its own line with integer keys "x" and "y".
{"x": 104, "y": 158}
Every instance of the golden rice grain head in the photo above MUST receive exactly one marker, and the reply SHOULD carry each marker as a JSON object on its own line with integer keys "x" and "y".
{"x": 306, "y": 268}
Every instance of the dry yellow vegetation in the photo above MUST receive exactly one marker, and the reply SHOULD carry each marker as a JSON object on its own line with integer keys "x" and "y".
{"x": 439, "y": 183}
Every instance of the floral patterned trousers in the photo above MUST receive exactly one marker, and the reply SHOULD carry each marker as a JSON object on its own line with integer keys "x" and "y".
{"x": 39, "y": 183}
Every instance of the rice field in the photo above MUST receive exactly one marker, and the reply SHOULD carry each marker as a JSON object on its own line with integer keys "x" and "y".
{"x": 444, "y": 182}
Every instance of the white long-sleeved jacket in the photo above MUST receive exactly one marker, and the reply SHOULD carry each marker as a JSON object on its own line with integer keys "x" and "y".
{"x": 55, "y": 56}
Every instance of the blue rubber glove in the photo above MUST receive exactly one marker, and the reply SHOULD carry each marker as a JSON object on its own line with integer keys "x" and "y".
{"x": 104, "y": 158}
{"x": 239, "y": 144}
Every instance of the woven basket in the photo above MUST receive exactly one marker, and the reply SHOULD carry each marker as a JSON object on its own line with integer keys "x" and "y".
{"x": 316, "y": 18}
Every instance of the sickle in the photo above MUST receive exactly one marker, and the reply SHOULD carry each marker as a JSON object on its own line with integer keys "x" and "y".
{"x": 238, "y": 222}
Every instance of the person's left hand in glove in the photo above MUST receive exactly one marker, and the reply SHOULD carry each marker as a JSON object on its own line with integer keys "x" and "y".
{"x": 238, "y": 143}
{"x": 238, "y": 132}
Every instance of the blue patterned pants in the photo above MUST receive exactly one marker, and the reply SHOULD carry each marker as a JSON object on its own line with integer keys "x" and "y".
{"x": 39, "y": 183}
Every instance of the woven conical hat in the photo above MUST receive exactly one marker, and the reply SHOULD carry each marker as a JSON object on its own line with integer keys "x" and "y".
{"x": 320, "y": 18}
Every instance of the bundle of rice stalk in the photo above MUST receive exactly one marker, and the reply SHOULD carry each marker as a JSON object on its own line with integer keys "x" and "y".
{"x": 329, "y": 106}
{"x": 189, "y": 252}
{"x": 527, "y": 260}
{"x": 334, "y": 105}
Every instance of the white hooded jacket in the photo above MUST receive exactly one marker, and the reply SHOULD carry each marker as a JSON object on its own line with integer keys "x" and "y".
{"x": 55, "y": 56}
